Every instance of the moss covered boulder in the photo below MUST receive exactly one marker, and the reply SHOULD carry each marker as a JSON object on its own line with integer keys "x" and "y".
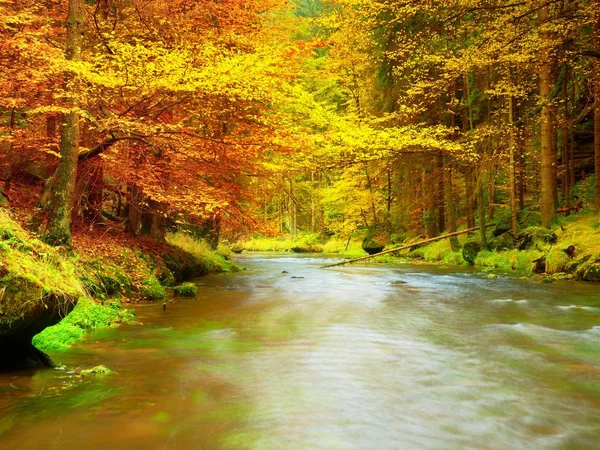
{"x": 186, "y": 290}
{"x": 375, "y": 242}
{"x": 470, "y": 251}
{"x": 592, "y": 272}
{"x": 38, "y": 287}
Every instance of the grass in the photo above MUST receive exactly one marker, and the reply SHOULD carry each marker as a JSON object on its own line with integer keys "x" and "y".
{"x": 213, "y": 261}
{"x": 304, "y": 243}
{"x": 335, "y": 245}
{"x": 33, "y": 273}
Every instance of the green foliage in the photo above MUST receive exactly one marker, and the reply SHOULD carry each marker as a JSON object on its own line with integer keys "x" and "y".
{"x": 556, "y": 262}
{"x": 88, "y": 315}
{"x": 152, "y": 289}
{"x": 583, "y": 191}
{"x": 186, "y": 290}
{"x": 307, "y": 243}
{"x": 267, "y": 244}
{"x": 202, "y": 252}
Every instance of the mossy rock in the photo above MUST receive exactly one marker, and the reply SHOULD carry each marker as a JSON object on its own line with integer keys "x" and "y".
{"x": 571, "y": 267}
{"x": 504, "y": 241}
{"x": 535, "y": 234}
{"x": 592, "y": 273}
{"x": 556, "y": 262}
{"x": 38, "y": 286}
{"x": 307, "y": 247}
{"x": 470, "y": 251}
{"x": 238, "y": 247}
{"x": 88, "y": 315}
{"x": 97, "y": 370}
{"x": 186, "y": 290}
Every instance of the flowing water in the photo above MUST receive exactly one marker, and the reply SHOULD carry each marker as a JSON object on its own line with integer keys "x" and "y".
{"x": 384, "y": 357}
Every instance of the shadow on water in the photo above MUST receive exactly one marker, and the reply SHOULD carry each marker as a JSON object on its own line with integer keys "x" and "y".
{"x": 289, "y": 356}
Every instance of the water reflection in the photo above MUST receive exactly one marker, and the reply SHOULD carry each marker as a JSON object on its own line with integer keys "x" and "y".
{"x": 289, "y": 356}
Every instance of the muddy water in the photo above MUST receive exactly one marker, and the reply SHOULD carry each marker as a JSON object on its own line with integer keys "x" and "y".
{"x": 387, "y": 357}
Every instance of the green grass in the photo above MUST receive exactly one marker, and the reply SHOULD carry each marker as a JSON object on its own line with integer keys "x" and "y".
{"x": 335, "y": 245}
{"x": 213, "y": 261}
{"x": 33, "y": 276}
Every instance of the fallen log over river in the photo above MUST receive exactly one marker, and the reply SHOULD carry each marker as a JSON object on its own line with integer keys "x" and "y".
{"x": 406, "y": 247}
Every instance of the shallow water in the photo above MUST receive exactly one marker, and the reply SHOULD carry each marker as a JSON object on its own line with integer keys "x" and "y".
{"x": 381, "y": 357}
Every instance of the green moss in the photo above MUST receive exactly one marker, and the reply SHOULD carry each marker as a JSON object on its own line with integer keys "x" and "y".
{"x": 97, "y": 370}
{"x": 496, "y": 260}
{"x": 442, "y": 251}
{"x": 152, "y": 289}
{"x": 37, "y": 282}
{"x": 58, "y": 337}
{"x": 88, "y": 315}
{"x": 186, "y": 290}
{"x": 556, "y": 262}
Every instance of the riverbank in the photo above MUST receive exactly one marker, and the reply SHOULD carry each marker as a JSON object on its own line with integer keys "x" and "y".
{"x": 570, "y": 250}
{"x": 105, "y": 269}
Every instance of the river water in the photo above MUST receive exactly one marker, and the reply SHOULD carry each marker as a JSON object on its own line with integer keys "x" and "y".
{"x": 372, "y": 357}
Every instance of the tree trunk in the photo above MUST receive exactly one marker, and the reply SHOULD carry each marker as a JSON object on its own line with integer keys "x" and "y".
{"x": 566, "y": 157}
{"x": 512, "y": 170}
{"x": 481, "y": 211}
{"x": 546, "y": 171}
{"x": 470, "y": 198}
{"x": 597, "y": 107}
{"x": 134, "y": 209}
{"x": 62, "y": 184}
{"x": 440, "y": 193}
{"x": 428, "y": 190}
{"x": 491, "y": 194}
{"x": 449, "y": 200}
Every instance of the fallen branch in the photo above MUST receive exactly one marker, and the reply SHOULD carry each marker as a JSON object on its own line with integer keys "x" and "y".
{"x": 406, "y": 247}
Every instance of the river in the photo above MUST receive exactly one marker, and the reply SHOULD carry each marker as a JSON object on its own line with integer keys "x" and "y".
{"x": 355, "y": 357}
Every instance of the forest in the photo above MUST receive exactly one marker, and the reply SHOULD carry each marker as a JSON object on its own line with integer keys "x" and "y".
{"x": 299, "y": 224}
{"x": 329, "y": 117}
{"x": 143, "y": 123}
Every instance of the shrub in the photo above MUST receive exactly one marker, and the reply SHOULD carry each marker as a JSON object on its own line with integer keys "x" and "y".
{"x": 186, "y": 290}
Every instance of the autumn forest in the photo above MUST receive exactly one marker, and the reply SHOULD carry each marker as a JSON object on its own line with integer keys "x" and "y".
{"x": 319, "y": 116}
{"x": 299, "y": 224}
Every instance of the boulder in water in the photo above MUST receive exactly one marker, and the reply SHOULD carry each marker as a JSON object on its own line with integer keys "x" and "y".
{"x": 374, "y": 242}
{"x": 470, "y": 251}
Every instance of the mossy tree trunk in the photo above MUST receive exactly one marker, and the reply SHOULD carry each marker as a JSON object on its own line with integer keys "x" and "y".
{"x": 61, "y": 187}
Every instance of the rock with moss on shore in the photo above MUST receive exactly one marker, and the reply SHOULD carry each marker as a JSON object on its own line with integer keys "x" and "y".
{"x": 38, "y": 287}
